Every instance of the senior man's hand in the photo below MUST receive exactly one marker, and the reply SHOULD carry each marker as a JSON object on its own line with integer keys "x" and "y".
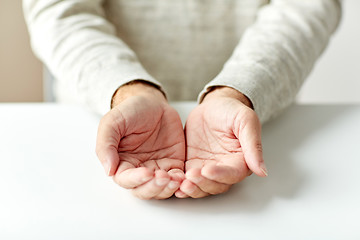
{"x": 223, "y": 144}
{"x": 141, "y": 142}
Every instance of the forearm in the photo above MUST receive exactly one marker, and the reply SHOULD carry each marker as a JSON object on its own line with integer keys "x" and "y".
{"x": 81, "y": 49}
{"x": 277, "y": 53}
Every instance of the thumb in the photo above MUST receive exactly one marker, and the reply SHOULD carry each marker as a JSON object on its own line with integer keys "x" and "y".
{"x": 108, "y": 139}
{"x": 249, "y": 135}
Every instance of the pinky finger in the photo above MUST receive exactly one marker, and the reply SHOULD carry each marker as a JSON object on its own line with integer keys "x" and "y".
{"x": 169, "y": 190}
{"x": 181, "y": 194}
{"x": 176, "y": 176}
{"x": 192, "y": 190}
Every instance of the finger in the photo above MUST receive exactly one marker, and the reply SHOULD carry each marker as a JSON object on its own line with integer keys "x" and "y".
{"x": 249, "y": 136}
{"x": 205, "y": 184}
{"x": 154, "y": 187}
{"x": 192, "y": 190}
{"x": 130, "y": 177}
{"x": 176, "y": 177}
{"x": 107, "y": 142}
{"x": 224, "y": 174}
{"x": 180, "y": 194}
{"x": 169, "y": 190}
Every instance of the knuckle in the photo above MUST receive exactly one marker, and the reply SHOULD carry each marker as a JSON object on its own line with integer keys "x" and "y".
{"x": 259, "y": 147}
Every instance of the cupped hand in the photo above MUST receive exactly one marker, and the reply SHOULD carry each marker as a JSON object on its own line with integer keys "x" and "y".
{"x": 223, "y": 136}
{"x": 141, "y": 144}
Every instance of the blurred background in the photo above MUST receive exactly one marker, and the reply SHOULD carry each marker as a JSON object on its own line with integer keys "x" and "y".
{"x": 20, "y": 71}
{"x": 335, "y": 79}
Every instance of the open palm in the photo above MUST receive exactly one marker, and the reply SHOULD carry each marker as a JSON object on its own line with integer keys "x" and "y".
{"x": 223, "y": 147}
{"x": 143, "y": 142}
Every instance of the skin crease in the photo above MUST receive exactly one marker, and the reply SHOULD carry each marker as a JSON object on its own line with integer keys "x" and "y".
{"x": 147, "y": 156}
{"x": 223, "y": 144}
{"x": 141, "y": 142}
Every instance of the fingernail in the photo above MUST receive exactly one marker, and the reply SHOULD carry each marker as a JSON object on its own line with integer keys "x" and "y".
{"x": 180, "y": 194}
{"x": 191, "y": 189}
{"x": 161, "y": 181}
{"x": 180, "y": 175}
{"x": 264, "y": 170}
{"x": 107, "y": 168}
{"x": 173, "y": 185}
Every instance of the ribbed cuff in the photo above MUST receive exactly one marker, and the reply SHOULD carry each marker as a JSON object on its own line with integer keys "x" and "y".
{"x": 246, "y": 83}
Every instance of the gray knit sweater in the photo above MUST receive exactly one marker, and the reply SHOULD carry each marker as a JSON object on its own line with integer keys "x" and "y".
{"x": 264, "y": 49}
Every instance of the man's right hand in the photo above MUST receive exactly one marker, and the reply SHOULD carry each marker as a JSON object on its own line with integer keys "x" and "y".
{"x": 141, "y": 142}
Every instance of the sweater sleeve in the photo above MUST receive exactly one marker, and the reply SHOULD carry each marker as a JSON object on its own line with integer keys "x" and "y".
{"x": 80, "y": 47}
{"x": 278, "y": 51}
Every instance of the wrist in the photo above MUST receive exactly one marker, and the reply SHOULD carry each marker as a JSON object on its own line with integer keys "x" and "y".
{"x": 223, "y": 91}
{"x": 137, "y": 88}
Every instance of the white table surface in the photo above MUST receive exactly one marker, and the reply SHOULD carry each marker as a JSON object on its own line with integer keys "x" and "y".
{"x": 53, "y": 187}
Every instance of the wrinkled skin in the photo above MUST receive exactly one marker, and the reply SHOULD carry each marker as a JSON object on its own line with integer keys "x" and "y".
{"x": 223, "y": 147}
{"x": 141, "y": 144}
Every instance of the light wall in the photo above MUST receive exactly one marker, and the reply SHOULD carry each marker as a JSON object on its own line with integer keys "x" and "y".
{"x": 335, "y": 79}
{"x": 336, "y": 76}
{"x": 20, "y": 71}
